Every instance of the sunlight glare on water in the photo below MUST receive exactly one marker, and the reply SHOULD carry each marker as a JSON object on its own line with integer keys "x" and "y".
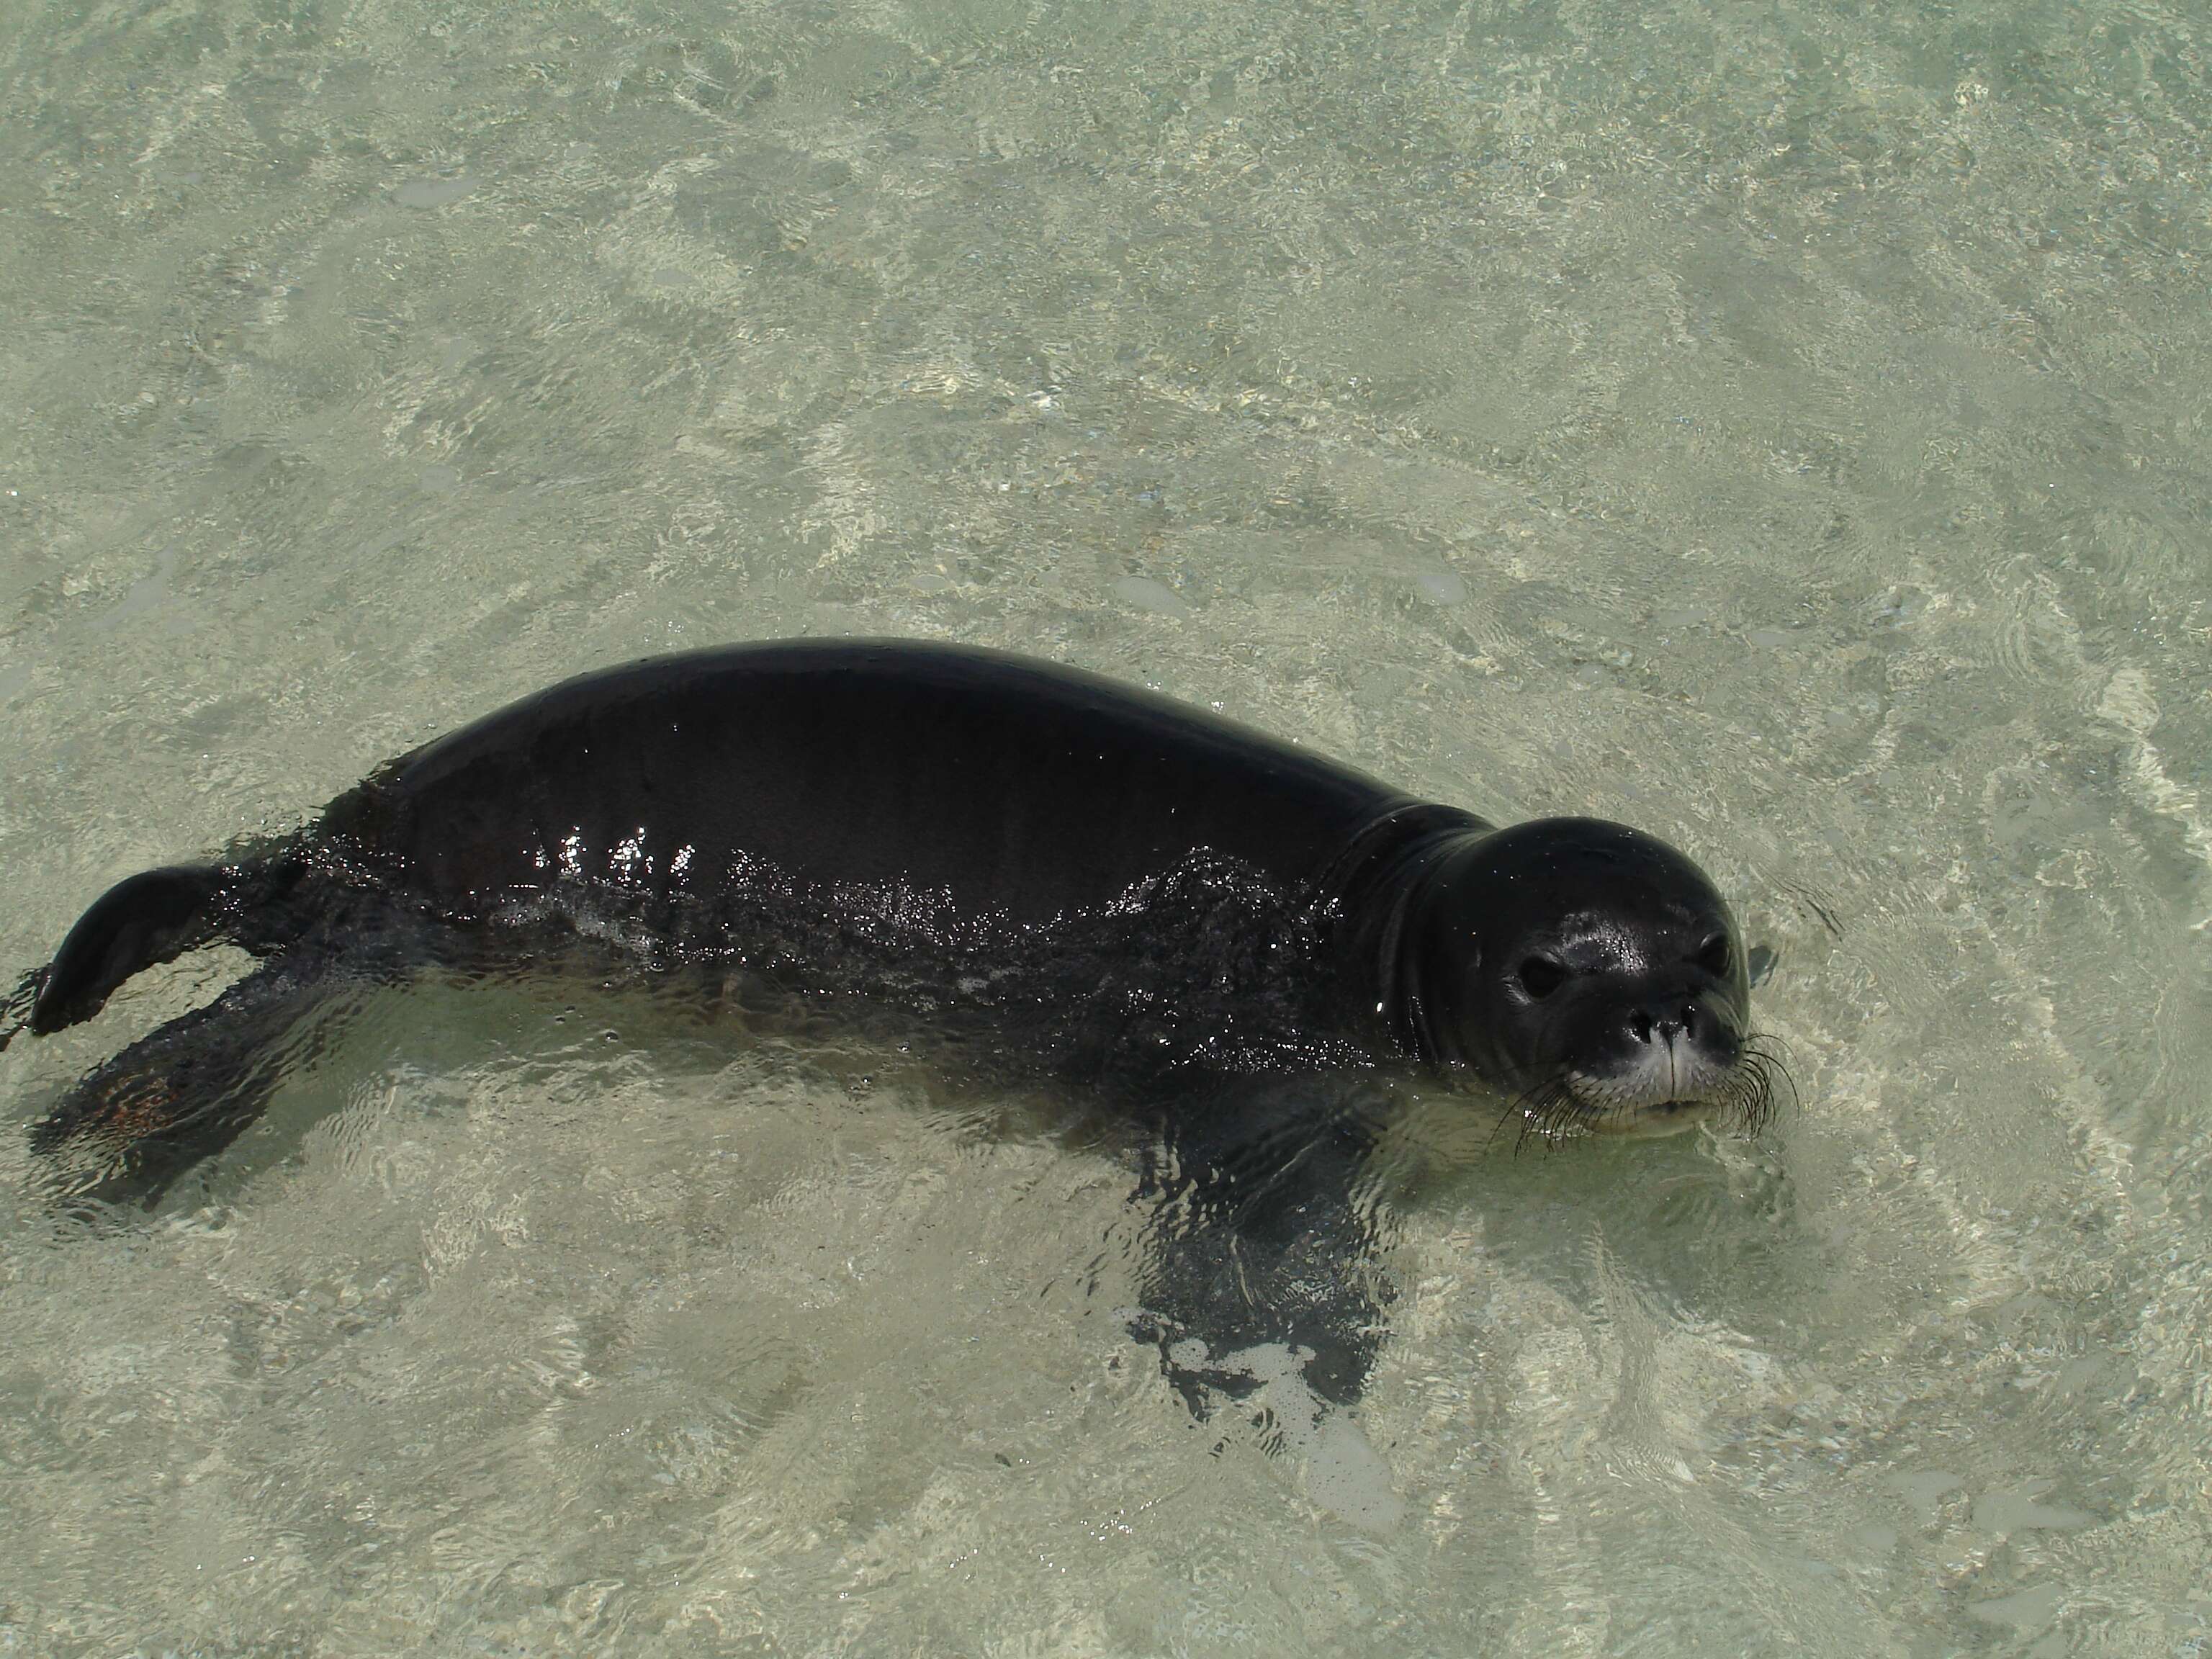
{"x": 1783, "y": 428}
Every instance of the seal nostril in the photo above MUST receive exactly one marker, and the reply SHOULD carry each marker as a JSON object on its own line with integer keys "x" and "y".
{"x": 1640, "y": 1023}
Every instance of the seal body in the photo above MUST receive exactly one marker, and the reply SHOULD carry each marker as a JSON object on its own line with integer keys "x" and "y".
{"x": 1026, "y": 838}
{"x": 1022, "y": 790}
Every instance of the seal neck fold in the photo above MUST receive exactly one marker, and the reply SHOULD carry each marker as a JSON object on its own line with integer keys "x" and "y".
{"x": 1377, "y": 888}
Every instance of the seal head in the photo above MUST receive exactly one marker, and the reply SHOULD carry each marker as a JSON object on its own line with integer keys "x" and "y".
{"x": 1587, "y": 967}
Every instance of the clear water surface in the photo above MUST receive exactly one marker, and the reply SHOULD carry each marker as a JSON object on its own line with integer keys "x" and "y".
{"x": 1780, "y": 426}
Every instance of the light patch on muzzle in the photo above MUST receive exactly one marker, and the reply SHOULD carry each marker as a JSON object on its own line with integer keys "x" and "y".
{"x": 1666, "y": 1091}
{"x": 1676, "y": 1075}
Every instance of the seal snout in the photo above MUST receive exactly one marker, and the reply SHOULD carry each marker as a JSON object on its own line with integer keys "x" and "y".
{"x": 1668, "y": 1052}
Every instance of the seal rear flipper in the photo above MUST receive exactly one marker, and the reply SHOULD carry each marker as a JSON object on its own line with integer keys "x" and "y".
{"x": 15, "y": 1011}
{"x": 127, "y": 1130}
{"x": 151, "y": 917}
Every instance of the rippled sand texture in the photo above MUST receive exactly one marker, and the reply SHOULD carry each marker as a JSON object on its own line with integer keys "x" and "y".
{"x": 1784, "y": 429}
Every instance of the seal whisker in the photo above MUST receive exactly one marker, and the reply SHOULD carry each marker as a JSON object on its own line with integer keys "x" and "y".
{"x": 1767, "y": 1055}
{"x": 1516, "y": 1112}
{"x": 1747, "y": 1093}
{"x": 1567, "y": 1118}
{"x": 1547, "y": 1110}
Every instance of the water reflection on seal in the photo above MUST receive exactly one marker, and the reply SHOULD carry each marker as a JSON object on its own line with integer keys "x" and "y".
{"x": 1242, "y": 946}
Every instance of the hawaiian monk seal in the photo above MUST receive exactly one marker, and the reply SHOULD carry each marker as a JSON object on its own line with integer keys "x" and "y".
{"x": 1204, "y": 918}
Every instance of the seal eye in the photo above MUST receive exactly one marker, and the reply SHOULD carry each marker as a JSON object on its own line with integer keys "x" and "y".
{"x": 1713, "y": 956}
{"x": 1540, "y": 976}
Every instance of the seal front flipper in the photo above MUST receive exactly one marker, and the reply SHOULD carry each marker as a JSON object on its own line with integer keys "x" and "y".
{"x": 1262, "y": 1285}
{"x": 127, "y": 1130}
{"x": 1263, "y": 1235}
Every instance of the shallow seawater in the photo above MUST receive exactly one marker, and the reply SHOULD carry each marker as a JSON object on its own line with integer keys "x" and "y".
{"x": 1780, "y": 428}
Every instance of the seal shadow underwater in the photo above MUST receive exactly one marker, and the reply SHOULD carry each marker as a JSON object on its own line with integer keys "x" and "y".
{"x": 1248, "y": 951}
